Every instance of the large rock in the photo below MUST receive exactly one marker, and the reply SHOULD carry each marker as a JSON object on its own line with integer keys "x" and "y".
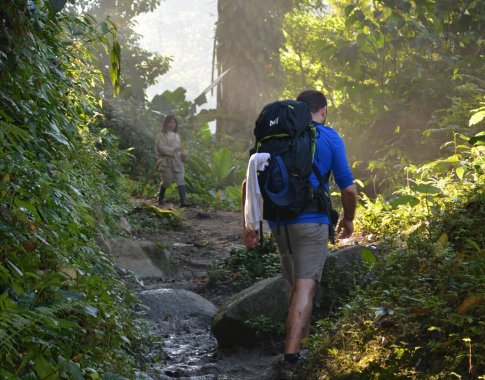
{"x": 145, "y": 258}
{"x": 268, "y": 298}
{"x": 176, "y": 304}
{"x": 343, "y": 269}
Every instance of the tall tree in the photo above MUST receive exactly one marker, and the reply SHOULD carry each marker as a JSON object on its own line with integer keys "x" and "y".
{"x": 249, "y": 37}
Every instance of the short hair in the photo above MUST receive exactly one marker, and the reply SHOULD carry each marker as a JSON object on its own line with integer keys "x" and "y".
{"x": 314, "y": 99}
{"x": 167, "y": 120}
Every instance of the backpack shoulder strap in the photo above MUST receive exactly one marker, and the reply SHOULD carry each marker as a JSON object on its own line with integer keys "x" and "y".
{"x": 321, "y": 179}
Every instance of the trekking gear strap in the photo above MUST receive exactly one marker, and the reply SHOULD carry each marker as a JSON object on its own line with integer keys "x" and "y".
{"x": 322, "y": 180}
{"x": 288, "y": 239}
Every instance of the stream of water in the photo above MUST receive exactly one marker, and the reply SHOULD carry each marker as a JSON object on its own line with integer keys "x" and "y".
{"x": 187, "y": 349}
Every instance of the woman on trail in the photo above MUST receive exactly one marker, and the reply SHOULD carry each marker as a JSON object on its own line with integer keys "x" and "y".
{"x": 171, "y": 161}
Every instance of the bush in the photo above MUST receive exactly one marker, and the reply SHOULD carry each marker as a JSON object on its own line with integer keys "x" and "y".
{"x": 421, "y": 317}
{"x": 246, "y": 266}
{"x": 64, "y": 311}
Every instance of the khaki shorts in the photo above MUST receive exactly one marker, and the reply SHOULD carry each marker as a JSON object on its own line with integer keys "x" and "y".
{"x": 309, "y": 250}
{"x": 169, "y": 176}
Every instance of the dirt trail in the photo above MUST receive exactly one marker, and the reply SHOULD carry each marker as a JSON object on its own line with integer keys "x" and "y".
{"x": 206, "y": 237}
{"x": 187, "y": 348}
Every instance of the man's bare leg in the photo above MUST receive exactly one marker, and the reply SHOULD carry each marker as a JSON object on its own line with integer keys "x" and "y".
{"x": 299, "y": 314}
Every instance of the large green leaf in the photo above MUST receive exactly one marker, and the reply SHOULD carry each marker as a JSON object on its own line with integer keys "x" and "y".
{"x": 426, "y": 189}
{"x": 4, "y": 374}
{"x": 199, "y": 166}
{"x": 368, "y": 256}
{"x": 403, "y": 200}
{"x": 73, "y": 371}
{"x": 460, "y": 172}
{"x": 90, "y": 310}
{"x": 478, "y": 138}
{"x": 44, "y": 369}
{"x": 115, "y": 66}
{"x": 27, "y": 206}
{"x": 233, "y": 193}
{"x": 57, "y": 5}
{"x": 477, "y": 117}
{"x": 222, "y": 165}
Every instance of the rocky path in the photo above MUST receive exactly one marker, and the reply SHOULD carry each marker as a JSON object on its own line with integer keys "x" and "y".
{"x": 173, "y": 267}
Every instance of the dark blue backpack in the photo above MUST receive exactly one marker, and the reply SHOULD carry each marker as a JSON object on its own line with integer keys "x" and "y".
{"x": 285, "y": 130}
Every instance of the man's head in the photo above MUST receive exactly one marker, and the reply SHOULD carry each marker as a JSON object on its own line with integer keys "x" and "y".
{"x": 317, "y": 103}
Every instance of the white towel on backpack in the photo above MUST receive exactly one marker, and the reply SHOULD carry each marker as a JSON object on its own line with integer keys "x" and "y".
{"x": 253, "y": 205}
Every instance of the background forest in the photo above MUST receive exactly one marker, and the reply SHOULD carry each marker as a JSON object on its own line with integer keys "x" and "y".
{"x": 406, "y": 88}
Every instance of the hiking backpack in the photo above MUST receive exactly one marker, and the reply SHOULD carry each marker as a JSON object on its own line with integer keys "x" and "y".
{"x": 286, "y": 131}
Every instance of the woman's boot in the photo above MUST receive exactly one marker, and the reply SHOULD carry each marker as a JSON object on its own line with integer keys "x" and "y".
{"x": 183, "y": 202}
{"x": 161, "y": 196}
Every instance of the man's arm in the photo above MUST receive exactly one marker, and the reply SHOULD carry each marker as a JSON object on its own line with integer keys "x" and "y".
{"x": 349, "y": 202}
{"x": 250, "y": 238}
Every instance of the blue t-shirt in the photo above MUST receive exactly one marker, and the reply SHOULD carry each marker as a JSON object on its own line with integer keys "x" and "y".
{"x": 329, "y": 156}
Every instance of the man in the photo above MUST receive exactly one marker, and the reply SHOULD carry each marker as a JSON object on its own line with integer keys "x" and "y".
{"x": 302, "y": 263}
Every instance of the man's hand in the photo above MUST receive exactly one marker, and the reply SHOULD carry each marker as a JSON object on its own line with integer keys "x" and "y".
{"x": 250, "y": 238}
{"x": 349, "y": 202}
{"x": 345, "y": 228}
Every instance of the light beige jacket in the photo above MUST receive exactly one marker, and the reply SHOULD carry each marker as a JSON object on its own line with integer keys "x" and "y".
{"x": 169, "y": 150}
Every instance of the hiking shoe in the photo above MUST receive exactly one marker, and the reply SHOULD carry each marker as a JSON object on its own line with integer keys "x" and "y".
{"x": 289, "y": 371}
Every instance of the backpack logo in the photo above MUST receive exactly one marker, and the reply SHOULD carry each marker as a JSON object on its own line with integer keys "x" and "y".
{"x": 273, "y": 122}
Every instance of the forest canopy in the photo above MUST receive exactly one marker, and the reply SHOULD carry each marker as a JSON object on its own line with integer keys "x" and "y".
{"x": 403, "y": 76}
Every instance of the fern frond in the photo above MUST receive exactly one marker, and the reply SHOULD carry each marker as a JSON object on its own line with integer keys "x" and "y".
{"x": 16, "y": 321}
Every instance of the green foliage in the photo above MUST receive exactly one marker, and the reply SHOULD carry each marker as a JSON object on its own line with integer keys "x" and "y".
{"x": 216, "y": 180}
{"x": 136, "y": 128}
{"x": 402, "y": 74}
{"x": 246, "y": 266}
{"x": 141, "y": 68}
{"x": 141, "y": 189}
{"x": 219, "y": 172}
{"x": 115, "y": 67}
{"x": 57, "y": 5}
{"x": 413, "y": 319}
{"x": 126, "y": 9}
{"x": 421, "y": 316}
{"x": 64, "y": 312}
{"x": 432, "y": 187}
{"x": 173, "y": 102}
{"x": 263, "y": 326}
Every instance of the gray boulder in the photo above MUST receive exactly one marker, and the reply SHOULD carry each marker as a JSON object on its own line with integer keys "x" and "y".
{"x": 125, "y": 226}
{"x": 267, "y": 298}
{"x": 343, "y": 270}
{"x": 145, "y": 258}
{"x": 176, "y": 304}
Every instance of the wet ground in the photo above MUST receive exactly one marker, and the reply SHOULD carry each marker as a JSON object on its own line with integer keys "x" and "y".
{"x": 185, "y": 348}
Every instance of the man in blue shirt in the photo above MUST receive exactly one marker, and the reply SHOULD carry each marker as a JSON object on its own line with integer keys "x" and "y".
{"x": 302, "y": 262}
